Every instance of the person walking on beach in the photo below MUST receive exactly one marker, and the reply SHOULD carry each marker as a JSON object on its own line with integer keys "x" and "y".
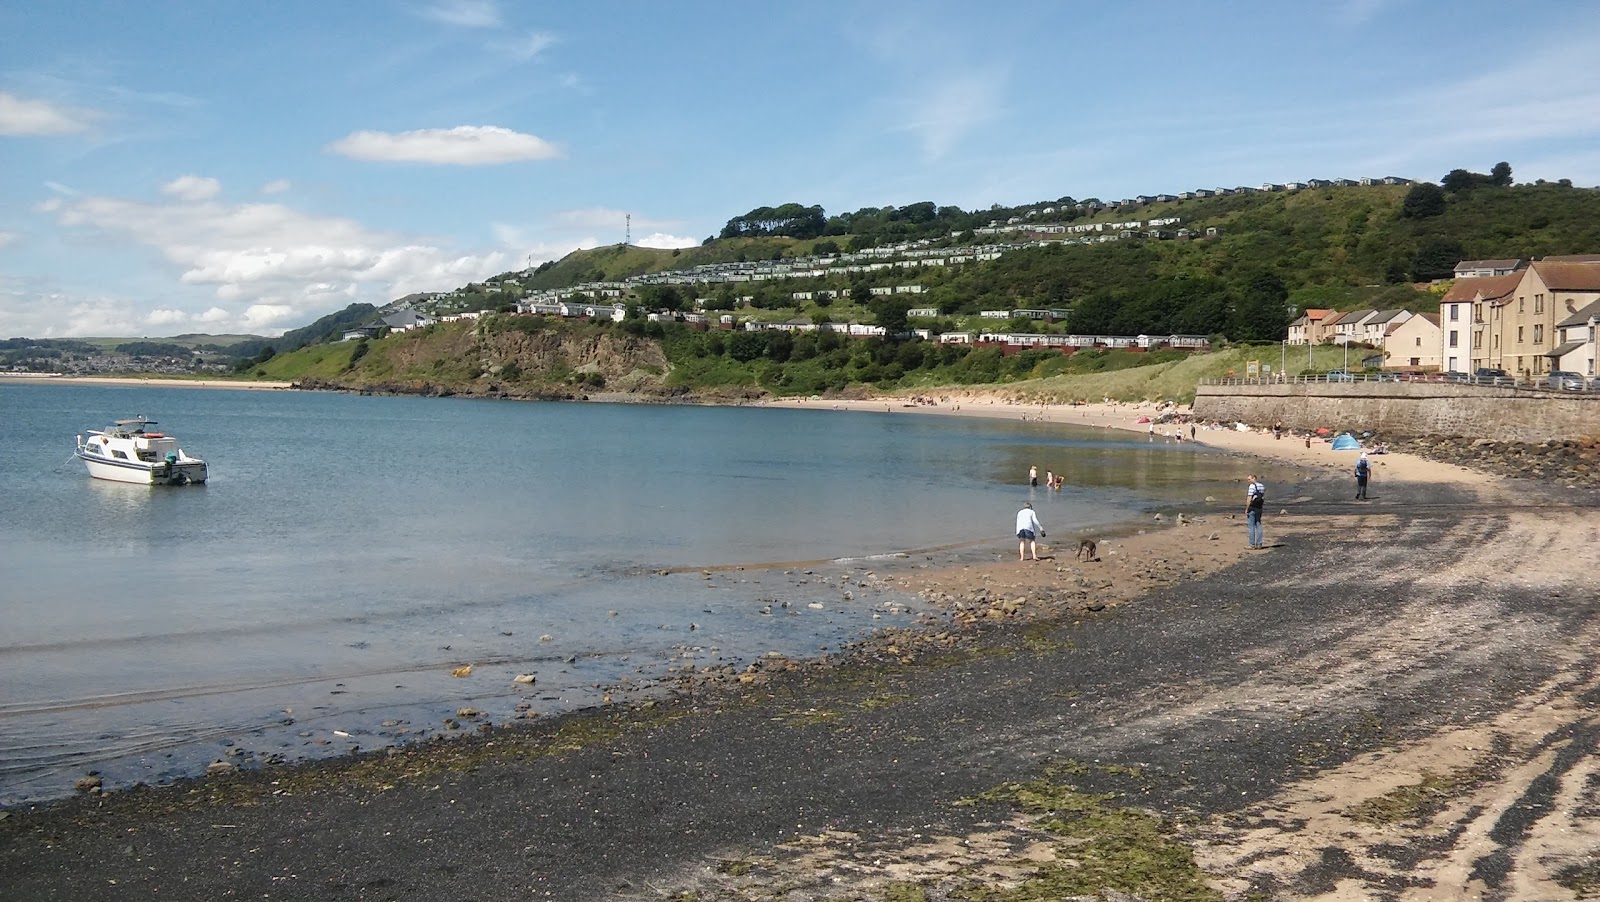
{"x": 1033, "y": 477}
{"x": 1363, "y": 470}
{"x": 1028, "y": 532}
{"x": 1255, "y": 502}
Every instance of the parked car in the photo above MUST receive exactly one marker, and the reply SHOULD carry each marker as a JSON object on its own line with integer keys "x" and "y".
{"x": 1484, "y": 375}
{"x": 1340, "y": 376}
{"x": 1386, "y": 377}
{"x": 1565, "y": 380}
{"x": 1454, "y": 376}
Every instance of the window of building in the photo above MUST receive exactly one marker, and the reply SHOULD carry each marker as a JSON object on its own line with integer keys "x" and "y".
{"x": 1419, "y": 341}
{"x": 1416, "y": 361}
{"x": 1538, "y": 333}
{"x": 1455, "y": 313}
{"x": 1452, "y": 338}
{"x": 1519, "y": 335}
{"x": 1538, "y": 303}
{"x": 1477, "y": 340}
{"x": 1522, "y": 304}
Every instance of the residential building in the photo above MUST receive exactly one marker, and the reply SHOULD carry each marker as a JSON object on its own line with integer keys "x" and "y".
{"x": 1474, "y": 269}
{"x": 1521, "y": 329}
{"x": 1576, "y": 352}
{"x": 1464, "y": 314}
{"x": 1375, "y": 328}
{"x": 1307, "y": 328}
{"x": 1413, "y": 343}
{"x": 1349, "y": 326}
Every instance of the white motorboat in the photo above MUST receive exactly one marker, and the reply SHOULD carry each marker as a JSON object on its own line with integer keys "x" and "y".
{"x": 132, "y": 451}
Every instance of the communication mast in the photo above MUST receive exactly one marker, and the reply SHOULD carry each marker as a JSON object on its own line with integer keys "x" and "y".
{"x": 627, "y": 229}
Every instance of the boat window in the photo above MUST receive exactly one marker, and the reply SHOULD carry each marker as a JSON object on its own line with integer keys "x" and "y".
{"x": 116, "y": 453}
{"x": 92, "y": 449}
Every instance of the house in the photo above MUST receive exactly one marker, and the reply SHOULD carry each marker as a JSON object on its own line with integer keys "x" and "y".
{"x": 1318, "y": 183}
{"x": 1375, "y": 327}
{"x": 405, "y": 321}
{"x": 1576, "y": 352}
{"x": 359, "y": 332}
{"x": 1474, "y": 269}
{"x": 1306, "y": 328}
{"x": 1348, "y": 328}
{"x": 1464, "y": 314}
{"x": 614, "y": 312}
{"x": 1522, "y": 328}
{"x": 1413, "y": 343}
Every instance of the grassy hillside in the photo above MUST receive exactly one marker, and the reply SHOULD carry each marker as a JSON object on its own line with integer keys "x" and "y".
{"x": 1347, "y": 247}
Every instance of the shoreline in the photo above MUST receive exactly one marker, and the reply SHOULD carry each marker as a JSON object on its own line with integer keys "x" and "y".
{"x": 152, "y": 382}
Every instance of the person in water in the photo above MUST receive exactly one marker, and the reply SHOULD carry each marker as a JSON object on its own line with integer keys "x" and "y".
{"x": 1029, "y": 531}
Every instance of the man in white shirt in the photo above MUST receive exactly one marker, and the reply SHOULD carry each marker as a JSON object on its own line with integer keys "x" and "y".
{"x": 1028, "y": 532}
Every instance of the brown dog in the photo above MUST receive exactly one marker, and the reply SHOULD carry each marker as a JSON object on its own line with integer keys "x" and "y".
{"x": 1086, "y": 550}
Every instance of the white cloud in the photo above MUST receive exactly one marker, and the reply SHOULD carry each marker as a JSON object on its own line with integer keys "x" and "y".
{"x": 528, "y": 46}
{"x": 464, "y": 145}
{"x": 663, "y": 240}
{"x": 59, "y": 188}
{"x": 267, "y": 265}
{"x": 20, "y": 116}
{"x": 8, "y": 237}
{"x": 951, "y": 109}
{"x": 163, "y": 316}
{"x": 276, "y": 186}
{"x": 192, "y": 188}
{"x": 464, "y": 13}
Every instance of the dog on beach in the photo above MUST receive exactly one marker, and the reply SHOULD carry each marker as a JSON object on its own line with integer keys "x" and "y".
{"x": 1087, "y": 550}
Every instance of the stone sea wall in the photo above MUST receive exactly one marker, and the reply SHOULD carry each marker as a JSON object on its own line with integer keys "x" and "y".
{"x": 1407, "y": 409}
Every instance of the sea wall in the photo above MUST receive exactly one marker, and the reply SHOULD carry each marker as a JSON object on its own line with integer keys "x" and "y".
{"x": 1406, "y": 408}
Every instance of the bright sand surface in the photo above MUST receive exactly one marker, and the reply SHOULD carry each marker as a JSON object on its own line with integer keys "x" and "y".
{"x": 137, "y": 380}
{"x": 1257, "y": 440}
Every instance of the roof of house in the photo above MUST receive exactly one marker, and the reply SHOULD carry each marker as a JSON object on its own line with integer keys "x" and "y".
{"x": 1315, "y": 314}
{"x": 1563, "y": 276}
{"x": 1332, "y": 318}
{"x": 1357, "y": 317}
{"x": 1571, "y": 258}
{"x": 1487, "y": 287}
{"x": 1565, "y": 349}
{"x": 1383, "y": 316}
{"x": 1581, "y": 316}
{"x": 1488, "y": 264}
{"x": 1430, "y": 317}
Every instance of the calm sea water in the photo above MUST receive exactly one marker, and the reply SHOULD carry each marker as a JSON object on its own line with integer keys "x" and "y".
{"x": 350, "y": 551}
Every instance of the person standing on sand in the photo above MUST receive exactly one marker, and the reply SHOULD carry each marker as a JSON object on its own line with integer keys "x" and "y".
{"x": 1029, "y": 531}
{"x": 1255, "y": 502}
{"x": 1363, "y": 470}
{"x": 1033, "y": 477}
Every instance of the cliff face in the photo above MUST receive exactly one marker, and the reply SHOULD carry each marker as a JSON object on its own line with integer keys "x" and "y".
{"x": 556, "y": 361}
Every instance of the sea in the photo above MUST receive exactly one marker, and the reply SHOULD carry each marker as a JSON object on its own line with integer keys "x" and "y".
{"x": 351, "y": 554}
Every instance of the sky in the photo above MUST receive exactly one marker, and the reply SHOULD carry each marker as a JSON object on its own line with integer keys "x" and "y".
{"x": 233, "y": 167}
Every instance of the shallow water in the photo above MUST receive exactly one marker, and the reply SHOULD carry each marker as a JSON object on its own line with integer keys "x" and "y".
{"x": 350, "y": 551}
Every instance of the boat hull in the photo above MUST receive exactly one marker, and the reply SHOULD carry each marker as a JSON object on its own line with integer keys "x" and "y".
{"x": 141, "y": 473}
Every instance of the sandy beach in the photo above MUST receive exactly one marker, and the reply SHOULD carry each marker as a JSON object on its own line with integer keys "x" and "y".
{"x": 55, "y": 379}
{"x": 1394, "y": 700}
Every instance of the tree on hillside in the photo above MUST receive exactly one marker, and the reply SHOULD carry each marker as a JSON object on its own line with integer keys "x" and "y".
{"x": 890, "y": 313}
{"x": 1436, "y": 258}
{"x": 1423, "y": 201}
{"x": 1262, "y": 313}
{"x": 1501, "y": 174}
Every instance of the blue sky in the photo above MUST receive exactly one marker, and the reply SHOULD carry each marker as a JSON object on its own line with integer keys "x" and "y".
{"x": 248, "y": 167}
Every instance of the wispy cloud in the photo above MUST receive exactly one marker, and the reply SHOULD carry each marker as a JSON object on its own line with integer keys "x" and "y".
{"x": 22, "y": 117}
{"x": 951, "y": 109}
{"x": 526, "y": 47}
{"x": 276, "y": 186}
{"x": 192, "y": 188}
{"x": 464, "y": 13}
{"x": 464, "y": 145}
{"x": 1359, "y": 12}
{"x": 8, "y": 238}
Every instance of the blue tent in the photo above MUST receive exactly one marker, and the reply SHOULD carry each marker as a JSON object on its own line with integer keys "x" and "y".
{"x": 1346, "y": 442}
